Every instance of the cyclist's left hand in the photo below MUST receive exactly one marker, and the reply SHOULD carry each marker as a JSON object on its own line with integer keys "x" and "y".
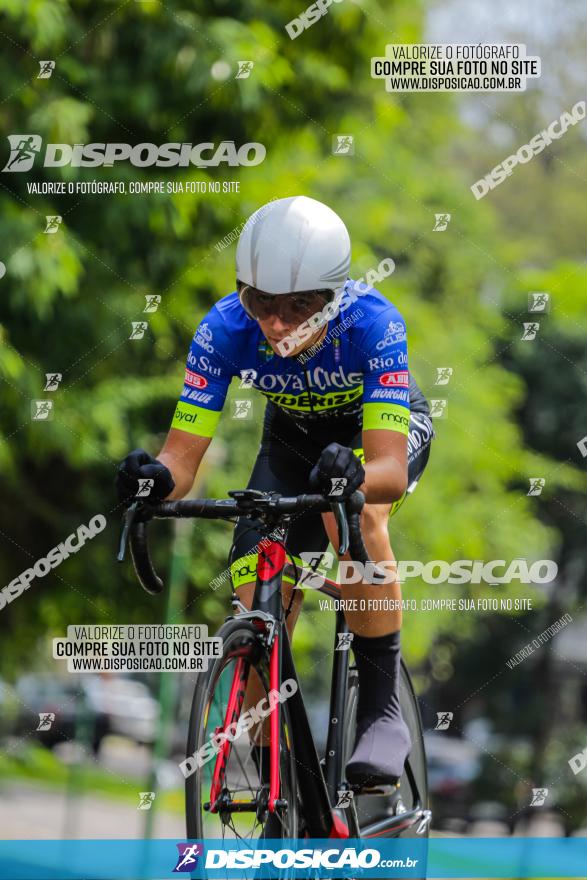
{"x": 338, "y": 472}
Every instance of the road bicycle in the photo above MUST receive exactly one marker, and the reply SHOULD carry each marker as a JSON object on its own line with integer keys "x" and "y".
{"x": 235, "y": 792}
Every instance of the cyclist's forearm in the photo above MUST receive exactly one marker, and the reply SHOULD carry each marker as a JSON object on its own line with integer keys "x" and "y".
{"x": 385, "y": 480}
{"x": 183, "y": 477}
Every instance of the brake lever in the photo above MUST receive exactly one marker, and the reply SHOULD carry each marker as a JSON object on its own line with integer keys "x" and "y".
{"x": 129, "y": 517}
{"x": 342, "y": 523}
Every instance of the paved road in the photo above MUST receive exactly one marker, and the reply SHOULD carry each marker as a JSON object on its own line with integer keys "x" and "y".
{"x": 27, "y": 812}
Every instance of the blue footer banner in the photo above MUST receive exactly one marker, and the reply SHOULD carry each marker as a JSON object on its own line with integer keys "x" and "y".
{"x": 518, "y": 857}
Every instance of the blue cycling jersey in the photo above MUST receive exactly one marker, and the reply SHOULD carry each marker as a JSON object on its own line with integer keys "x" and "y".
{"x": 359, "y": 369}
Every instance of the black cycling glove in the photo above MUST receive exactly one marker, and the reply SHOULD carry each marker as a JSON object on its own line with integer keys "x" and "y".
{"x": 139, "y": 465}
{"x": 338, "y": 472}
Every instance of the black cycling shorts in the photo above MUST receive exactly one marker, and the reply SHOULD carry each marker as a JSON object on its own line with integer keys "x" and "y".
{"x": 286, "y": 456}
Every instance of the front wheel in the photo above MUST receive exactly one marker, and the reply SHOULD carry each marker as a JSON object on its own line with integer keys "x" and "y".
{"x": 227, "y": 788}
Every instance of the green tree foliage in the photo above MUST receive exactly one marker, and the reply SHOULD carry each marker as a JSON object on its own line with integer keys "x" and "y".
{"x": 160, "y": 72}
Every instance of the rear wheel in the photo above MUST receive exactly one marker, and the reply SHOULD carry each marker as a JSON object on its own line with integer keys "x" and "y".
{"x": 227, "y": 796}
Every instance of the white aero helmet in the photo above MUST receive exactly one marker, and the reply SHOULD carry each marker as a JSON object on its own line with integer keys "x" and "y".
{"x": 293, "y": 244}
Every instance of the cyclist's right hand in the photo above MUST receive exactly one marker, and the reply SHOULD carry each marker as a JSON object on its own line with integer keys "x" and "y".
{"x": 139, "y": 465}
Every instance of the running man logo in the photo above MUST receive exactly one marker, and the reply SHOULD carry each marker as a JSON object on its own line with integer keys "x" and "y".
{"x": 145, "y": 486}
{"x": 152, "y": 301}
{"x": 188, "y": 857}
{"x": 138, "y": 329}
{"x": 530, "y": 330}
{"x": 536, "y": 485}
{"x": 46, "y": 719}
{"x": 441, "y": 222}
{"x": 438, "y": 408}
{"x": 53, "y": 223}
{"x": 52, "y": 381}
{"x": 247, "y": 378}
{"x": 47, "y": 68}
{"x": 538, "y": 302}
{"x": 337, "y": 486}
{"x": 343, "y": 145}
{"x": 146, "y": 799}
{"x": 443, "y": 720}
{"x": 23, "y": 151}
{"x": 244, "y": 69}
{"x": 42, "y": 410}
{"x": 345, "y": 799}
{"x": 443, "y": 375}
{"x": 344, "y": 641}
{"x": 242, "y": 409}
{"x": 539, "y": 795}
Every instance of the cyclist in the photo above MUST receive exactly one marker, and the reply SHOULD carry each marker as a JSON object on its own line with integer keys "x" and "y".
{"x": 343, "y": 413}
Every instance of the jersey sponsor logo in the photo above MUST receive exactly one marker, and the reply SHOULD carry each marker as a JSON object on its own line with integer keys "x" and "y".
{"x": 317, "y": 378}
{"x": 395, "y": 332}
{"x": 203, "y": 337}
{"x": 311, "y": 402}
{"x": 395, "y": 418}
{"x": 203, "y": 363}
{"x": 195, "y": 380}
{"x": 394, "y": 394}
{"x": 380, "y": 363}
{"x": 182, "y": 416}
{"x": 402, "y": 359}
{"x": 401, "y": 378}
{"x": 197, "y": 396}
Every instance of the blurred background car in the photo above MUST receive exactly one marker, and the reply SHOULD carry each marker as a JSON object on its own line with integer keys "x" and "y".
{"x": 86, "y": 707}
